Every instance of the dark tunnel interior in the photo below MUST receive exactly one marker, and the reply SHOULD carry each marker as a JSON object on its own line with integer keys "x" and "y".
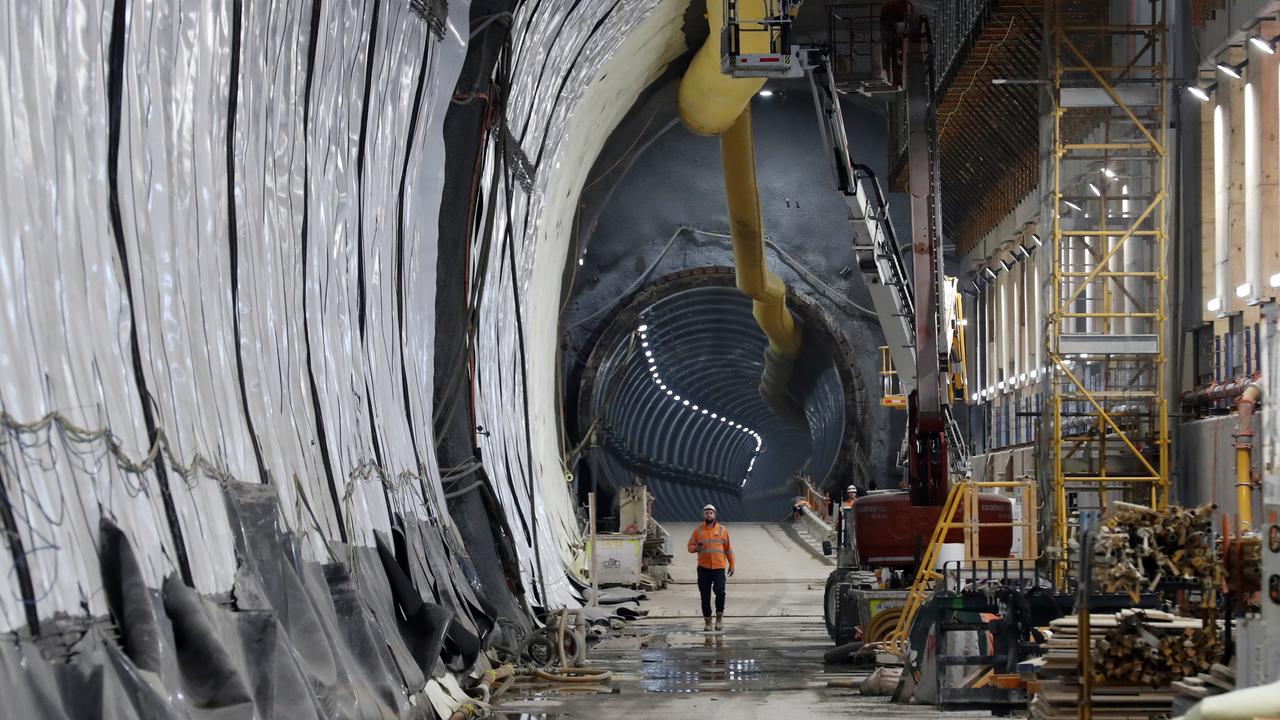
{"x": 672, "y": 395}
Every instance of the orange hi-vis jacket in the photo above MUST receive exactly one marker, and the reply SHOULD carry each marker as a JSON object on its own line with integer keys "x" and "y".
{"x": 712, "y": 546}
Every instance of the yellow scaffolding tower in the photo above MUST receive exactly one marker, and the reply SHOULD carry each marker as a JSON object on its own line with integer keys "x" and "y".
{"x": 1106, "y": 329}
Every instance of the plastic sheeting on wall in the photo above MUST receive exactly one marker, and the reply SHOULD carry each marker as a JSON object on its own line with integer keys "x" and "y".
{"x": 219, "y": 244}
{"x": 576, "y": 69}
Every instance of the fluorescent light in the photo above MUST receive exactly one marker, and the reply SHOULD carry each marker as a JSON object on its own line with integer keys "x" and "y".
{"x": 1230, "y": 70}
{"x": 643, "y": 328}
{"x": 1108, "y": 172}
{"x": 1262, "y": 45}
{"x": 766, "y": 93}
{"x": 964, "y": 323}
{"x": 1035, "y": 240}
{"x": 1243, "y": 291}
{"x": 1072, "y": 205}
{"x": 1214, "y": 304}
{"x": 1084, "y": 356}
{"x": 1198, "y": 93}
{"x": 988, "y": 273}
{"x": 1095, "y": 189}
{"x": 579, "y": 261}
{"x": 1006, "y": 265}
{"x": 1275, "y": 280}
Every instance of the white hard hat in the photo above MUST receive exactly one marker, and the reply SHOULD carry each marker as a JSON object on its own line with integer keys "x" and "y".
{"x": 851, "y": 488}
{"x": 709, "y": 506}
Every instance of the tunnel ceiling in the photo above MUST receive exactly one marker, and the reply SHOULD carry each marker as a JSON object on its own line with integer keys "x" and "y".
{"x": 672, "y": 388}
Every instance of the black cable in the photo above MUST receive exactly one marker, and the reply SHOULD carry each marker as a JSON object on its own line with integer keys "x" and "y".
{"x": 115, "y": 87}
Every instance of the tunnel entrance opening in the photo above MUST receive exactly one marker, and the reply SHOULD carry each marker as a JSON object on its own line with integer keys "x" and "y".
{"x": 670, "y": 397}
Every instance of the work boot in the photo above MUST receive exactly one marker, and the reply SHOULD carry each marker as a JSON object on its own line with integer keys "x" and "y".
{"x": 719, "y": 622}
{"x": 706, "y": 625}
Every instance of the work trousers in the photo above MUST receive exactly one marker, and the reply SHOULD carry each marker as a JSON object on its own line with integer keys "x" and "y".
{"x": 709, "y": 580}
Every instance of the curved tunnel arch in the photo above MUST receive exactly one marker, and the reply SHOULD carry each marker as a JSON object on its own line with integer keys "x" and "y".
{"x": 707, "y": 350}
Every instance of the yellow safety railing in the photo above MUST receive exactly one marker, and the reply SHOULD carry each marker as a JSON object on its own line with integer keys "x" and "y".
{"x": 963, "y": 494}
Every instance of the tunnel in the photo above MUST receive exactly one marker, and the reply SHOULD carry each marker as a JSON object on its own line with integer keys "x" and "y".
{"x": 671, "y": 398}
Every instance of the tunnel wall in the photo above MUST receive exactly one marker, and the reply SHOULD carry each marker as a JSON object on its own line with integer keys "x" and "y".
{"x": 566, "y": 100}
{"x": 219, "y": 265}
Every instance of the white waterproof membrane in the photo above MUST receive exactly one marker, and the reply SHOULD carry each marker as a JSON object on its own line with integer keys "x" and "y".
{"x": 218, "y": 263}
{"x": 220, "y": 231}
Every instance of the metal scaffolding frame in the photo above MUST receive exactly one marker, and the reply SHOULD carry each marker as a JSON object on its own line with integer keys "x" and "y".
{"x": 1106, "y": 334}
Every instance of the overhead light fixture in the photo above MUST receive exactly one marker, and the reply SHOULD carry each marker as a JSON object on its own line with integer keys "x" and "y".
{"x": 1198, "y": 93}
{"x": 1035, "y": 240}
{"x": 1108, "y": 172}
{"x": 1275, "y": 280}
{"x": 964, "y": 323}
{"x": 1243, "y": 291}
{"x": 1095, "y": 189}
{"x": 1072, "y": 205}
{"x": 973, "y": 397}
{"x": 1230, "y": 70}
{"x": 1262, "y": 45}
{"x": 643, "y": 328}
{"x": 1019, "y": 249}
{"x": 1006, "y": 265}
{"x": 1214, "y": 304}
{"x": 766, "y": 93}
{"x": 987, "y": 271}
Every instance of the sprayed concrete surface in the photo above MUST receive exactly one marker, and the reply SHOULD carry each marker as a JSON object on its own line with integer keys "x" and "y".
{"x": 766, "y": 664}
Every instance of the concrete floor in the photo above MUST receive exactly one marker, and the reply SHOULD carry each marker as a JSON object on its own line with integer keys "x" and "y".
{"x": 767, "y": 663}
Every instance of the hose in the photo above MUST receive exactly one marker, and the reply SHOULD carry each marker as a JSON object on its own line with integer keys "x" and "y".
{"x": 564, "y": 620}
{"x": 575, "y": 675}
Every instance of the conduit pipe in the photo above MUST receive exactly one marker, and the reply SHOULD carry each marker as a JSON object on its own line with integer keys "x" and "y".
{"x": 1244, "y": 455}
{"x": 1217, "y": 391}
{"x": 712, "y": 103}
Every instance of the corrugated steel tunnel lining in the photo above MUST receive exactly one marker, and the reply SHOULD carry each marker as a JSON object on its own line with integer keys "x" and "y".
{"x": 673, "y": 389}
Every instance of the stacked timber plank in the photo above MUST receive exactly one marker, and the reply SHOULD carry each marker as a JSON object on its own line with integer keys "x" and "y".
{"x": 1137, "y": 654}
{"x": 1194, "y": 688}
{"x": 1138, "y": 548}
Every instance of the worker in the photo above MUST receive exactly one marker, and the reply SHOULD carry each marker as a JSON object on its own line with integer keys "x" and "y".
{"x": 850, "y": 494}
{"x": 715, "y": 556}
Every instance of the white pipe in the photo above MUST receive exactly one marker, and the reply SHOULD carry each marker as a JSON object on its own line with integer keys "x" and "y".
{"x": 1222, "y": 193}
{"x": 1252, "y": 191}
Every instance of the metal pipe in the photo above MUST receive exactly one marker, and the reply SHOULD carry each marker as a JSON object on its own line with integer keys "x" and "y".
{"x": 1214, "y": 392}
{"x": 1244, "y": 455}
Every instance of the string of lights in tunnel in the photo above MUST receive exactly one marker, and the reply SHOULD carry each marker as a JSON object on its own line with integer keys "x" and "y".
{"x": 656, "y": 376}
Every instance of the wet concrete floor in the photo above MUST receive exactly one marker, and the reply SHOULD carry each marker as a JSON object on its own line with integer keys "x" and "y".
{"x": 766, "y": 664}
